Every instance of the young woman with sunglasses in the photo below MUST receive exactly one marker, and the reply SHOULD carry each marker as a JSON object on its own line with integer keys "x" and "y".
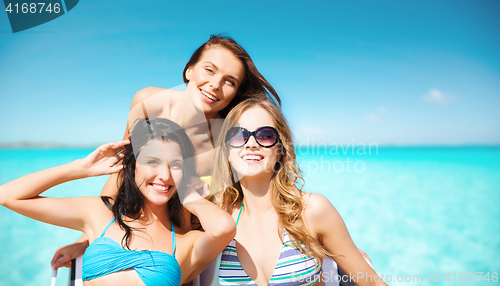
{"x": 282, "y": 232}
{"x": 135, "y": 237}
{"x": 219, "y": 75}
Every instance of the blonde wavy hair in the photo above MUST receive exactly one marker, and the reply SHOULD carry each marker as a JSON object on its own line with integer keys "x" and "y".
{"x": 286, "y": 183}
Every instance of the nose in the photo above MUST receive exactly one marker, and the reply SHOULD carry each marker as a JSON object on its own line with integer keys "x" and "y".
{"x": 215, "y": 83}
{"x": 251, "y": 143}
{"x": 164, "y": 173}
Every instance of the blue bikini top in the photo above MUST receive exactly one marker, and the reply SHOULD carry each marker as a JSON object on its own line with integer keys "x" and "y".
{"x": 105, "y": 256}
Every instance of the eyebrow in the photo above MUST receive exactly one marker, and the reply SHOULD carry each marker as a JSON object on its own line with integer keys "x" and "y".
{"x": 173, "y": 160}
{"x": 209, "y": 62}
{"x": 152, "y": 157}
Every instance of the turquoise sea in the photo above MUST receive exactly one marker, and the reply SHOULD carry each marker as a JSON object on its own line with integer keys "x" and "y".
{"x": 419, "y": 212}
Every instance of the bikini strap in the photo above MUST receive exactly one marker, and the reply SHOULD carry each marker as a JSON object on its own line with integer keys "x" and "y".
{"x": 238, "y": 219}
{"x": 173, "y": 239}
{"x": 104, "y": 231}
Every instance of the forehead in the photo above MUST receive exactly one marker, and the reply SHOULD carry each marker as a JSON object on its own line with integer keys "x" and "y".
{"x": 224, "y": 59}
{"x": 255, "y": 117}
{"x": 163, "y": 150}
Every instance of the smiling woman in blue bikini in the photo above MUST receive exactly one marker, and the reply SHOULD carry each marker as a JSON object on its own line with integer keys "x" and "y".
{"x": 136, "y": 238}
{"x": 282, "y": 232}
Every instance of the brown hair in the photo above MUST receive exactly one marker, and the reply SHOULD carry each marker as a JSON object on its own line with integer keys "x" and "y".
{"x": 286, "y": 192}
{"x": 130, "y": 202}
{"x": 253, "y": 82}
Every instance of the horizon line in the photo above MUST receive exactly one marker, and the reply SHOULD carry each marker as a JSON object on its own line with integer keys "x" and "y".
{"x": 53, "y": 145}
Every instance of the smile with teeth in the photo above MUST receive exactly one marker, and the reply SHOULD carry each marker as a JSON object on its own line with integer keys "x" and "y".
{"x": 252, "y": 158}
{"x": 161, "y": 188}
{"x": 208, "y": 95}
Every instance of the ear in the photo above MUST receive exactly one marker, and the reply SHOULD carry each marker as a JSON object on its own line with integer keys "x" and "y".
{"x": 189, "y": 71}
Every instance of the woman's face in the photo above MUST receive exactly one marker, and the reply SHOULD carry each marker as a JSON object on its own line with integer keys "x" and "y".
{"x": 159, "y": 170}
{"x": 215, "y": 79}
{"x": 252, "y": 161}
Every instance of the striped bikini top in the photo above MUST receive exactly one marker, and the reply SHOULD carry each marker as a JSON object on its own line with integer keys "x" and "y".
{"x": 292, "y": 269}
{"x": 105, "y": 256}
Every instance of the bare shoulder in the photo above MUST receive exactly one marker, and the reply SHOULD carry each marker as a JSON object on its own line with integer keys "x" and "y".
{"x": 152, "y": 102}
{"x": 151, "y": 91}
{"x": 318, "y": 209}
{"x": 316, "y": 203}
{"x": 146, "y": 92}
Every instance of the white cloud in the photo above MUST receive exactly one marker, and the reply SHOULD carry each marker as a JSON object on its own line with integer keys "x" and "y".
{"x": 438, "y": 97}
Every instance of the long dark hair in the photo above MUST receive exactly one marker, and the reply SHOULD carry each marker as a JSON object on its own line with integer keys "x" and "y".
{"x": 253, "y": 83}
{"x": 130, "y": 201}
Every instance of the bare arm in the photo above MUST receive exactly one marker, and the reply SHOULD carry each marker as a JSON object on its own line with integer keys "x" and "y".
{"x": 64, "y": 254}
{"x": 219, "y": 229}
{"x": 334, "y": 236}
{"x": 23, "y": 194}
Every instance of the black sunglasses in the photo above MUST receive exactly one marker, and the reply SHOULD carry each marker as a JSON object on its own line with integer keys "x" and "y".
{"x": 265, "y": 136}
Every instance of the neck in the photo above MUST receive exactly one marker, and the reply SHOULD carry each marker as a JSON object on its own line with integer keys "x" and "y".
{"x": 154, "y": 213}
{"x": 212, "y": 116}
{"x": 187, "y": 113}
{"x": 190, "y": 108}
{"x": 257, "y": 196}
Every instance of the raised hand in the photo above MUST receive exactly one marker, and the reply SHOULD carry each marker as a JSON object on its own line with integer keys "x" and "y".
{"x": 103, "y": 160}
{"x": 195, "y": 189}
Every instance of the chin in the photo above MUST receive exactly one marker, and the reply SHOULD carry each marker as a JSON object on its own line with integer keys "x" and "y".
{"x": 255, "y": 175}
{"x": 212, "y": 108}
{"x": 159, "y": 201}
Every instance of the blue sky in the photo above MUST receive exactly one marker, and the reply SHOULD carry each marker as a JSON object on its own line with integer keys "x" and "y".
{"x": 385, "y": 72}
